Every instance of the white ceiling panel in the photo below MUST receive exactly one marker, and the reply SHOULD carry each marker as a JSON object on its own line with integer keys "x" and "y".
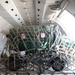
{"x": 26, "y": 7}
{"x": 4, "y": 25}
{"x": 30, "y": 12}
{"x": 7, "y": 17}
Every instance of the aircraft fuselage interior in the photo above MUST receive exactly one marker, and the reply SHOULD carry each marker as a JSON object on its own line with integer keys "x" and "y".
{"x": 37, "y": 37}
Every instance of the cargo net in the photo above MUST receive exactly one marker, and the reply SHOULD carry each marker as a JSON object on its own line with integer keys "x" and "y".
{"x": 66, "y": 49}
{"x": 30, "y": 38}
{"x": 37, "y": 49}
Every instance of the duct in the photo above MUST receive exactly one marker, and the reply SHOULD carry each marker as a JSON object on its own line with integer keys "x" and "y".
{"x": 56, "y": 10}
{"x": 63, "y": 6}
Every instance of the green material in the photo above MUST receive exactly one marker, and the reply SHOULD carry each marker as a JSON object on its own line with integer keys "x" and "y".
{"x": 33, "y": 40}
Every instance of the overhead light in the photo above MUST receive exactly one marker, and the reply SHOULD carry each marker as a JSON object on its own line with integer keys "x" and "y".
{"x": 42, "y": 35}
{"x": 26, "y": 9}
{"x": 27, "y": 14}
{"x": 23, "y": 36}
{"x": 24, "y": 2}
{"x": 29, "y": 17}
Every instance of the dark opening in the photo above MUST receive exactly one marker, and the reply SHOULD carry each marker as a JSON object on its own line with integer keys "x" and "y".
{"x": 38, "y": 2}
{"x": 38, "y": 15}
{"x": 6, "y": 2}
{"x": 38, "y": 18}
{"x": 18, "y": 18}
{"x": 57, "y": 1}
{"x": 12, "y": 9}
{"x": 15, "y": 14}
{"x": 38, "y": 9}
